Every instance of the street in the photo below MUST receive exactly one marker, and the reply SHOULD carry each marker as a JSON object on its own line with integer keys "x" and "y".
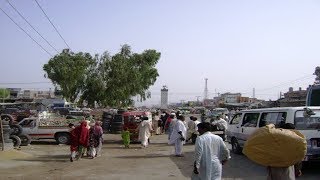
{"x": 46, "y": 160}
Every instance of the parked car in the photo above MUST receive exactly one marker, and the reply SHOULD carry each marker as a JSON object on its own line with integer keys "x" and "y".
{"x": 38, "y": 130}
{"x": 305, "y": 119}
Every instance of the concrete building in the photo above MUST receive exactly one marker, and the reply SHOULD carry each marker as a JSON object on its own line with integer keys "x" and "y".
{"x": 293, "y": 98}
{"x": 230, "y": 97}
{"x": 14, "y": 92}
{"x": 164, "y": 98}
{"x": 33, "y": 94}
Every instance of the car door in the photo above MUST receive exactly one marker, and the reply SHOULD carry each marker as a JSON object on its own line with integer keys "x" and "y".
{"x": 29, "y": 127}
{"x": 233, "y": 126}
{"x": 248, "y": 125}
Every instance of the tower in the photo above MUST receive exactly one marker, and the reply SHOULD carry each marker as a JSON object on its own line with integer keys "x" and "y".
{"x": 164, "y": 97}
{"x": 254, "y": 93}
{"x": 205, "y": 89}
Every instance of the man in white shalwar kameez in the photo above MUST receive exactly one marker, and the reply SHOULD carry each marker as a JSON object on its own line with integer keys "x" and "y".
{"x": 178, "y": 136}
{"x": 145, "y": 129}
{"x": 210, "y": 154}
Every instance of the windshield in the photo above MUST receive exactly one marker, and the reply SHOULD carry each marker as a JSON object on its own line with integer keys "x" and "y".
{"x": 315, "y": 97}
{"x": 312, "y": 122}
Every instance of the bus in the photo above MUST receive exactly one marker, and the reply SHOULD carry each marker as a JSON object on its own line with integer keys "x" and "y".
{"x": 313, "y": 96}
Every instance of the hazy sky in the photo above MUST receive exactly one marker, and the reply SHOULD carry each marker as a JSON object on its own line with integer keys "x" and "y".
{"x": 238, "y": 45}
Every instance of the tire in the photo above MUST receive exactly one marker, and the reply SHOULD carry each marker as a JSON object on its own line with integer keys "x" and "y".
{"x": 63, "y": 138}
{"x": 16, "y": 140}
{"x": 25, "y": 139}
{"x": 6, "y": 117}
{"x": 16, "y": 129}
{"x": 236, "y": 149}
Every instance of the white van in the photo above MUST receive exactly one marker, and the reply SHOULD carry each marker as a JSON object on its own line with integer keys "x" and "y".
{"x": 305, "y": 119}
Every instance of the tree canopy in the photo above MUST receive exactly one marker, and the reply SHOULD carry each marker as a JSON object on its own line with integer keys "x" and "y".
{"x": 69, "y": 70}
{"x": 108, "y": 80}
{"x": 317, "y": 73}
{"x": 4, "y": 93}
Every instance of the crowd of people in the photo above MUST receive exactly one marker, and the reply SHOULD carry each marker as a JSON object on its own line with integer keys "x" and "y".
{"x": 85, "y": 140}
{"x": 210, "y": 154}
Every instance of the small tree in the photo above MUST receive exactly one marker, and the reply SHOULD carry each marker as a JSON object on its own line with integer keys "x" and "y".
{"x": 317, "y": 73}
{"x": 4, "y": 93}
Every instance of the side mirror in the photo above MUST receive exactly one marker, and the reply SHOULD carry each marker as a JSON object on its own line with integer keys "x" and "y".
{"x": 308, "y": 112}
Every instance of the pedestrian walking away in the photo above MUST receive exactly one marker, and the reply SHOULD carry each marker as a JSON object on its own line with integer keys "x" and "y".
{"x": 285, "y": 173}
{"x": 210, "y": 154}
{"x": 83, "y": 138}
{"x": 95, "y": 140}
{"x": 145, "y": 129}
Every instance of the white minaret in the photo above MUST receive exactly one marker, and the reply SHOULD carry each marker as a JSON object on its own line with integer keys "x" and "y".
{"x": 206, "y": 89}
{"x": 164, "y": 97}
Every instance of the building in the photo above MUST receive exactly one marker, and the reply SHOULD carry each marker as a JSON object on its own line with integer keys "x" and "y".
{"x": 293, "y": 98}
{"x": 32, "y": 94}
{"x": 164, "y": 98}
{"x": 14, "y": 92}
{"x": 230, "y": 97}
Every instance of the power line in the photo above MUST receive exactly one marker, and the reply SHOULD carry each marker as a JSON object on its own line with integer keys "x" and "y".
{"x": 52, "y": 24}
{"x": 2, "y": 83}
{"x": 31, "y": 25}
{"x": 26, "y": 32}
{"x": 286, "y": 83}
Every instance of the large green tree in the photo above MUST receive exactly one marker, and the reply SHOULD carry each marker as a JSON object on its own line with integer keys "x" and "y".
{"x": 69, "y": 71}
{"x": 317, "y": 73}
{"x": 114, "y": 80}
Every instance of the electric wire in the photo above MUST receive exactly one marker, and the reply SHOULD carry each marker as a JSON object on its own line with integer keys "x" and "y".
{"x": 17, "y": 83}
{"x": 283, "y": 84}
{"x": 31, "y": 25}
{"x": 52, "y": 23}
{"x": 26, "y": 33}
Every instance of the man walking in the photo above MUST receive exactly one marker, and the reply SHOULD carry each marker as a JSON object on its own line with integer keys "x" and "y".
{"x": 210, "y": 154}
{"x": 145, "y": 129}
{"x": 178, "y": 136}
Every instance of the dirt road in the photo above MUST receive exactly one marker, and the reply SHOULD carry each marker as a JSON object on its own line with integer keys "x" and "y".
{"x": 51, "y": 161}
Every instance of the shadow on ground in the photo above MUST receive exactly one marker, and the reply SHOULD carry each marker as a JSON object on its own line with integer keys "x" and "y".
{"x": 184, "y": 164}
{"x": 39, "y": 142}
{"x": 144, "y": 156}
{"x": 237, "y": 168}
{"x": 48, "y": 158}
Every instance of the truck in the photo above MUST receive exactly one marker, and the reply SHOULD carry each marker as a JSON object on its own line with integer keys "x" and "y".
{"x": 38, "y": 128}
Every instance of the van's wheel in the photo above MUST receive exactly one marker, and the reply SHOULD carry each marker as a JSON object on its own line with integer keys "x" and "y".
{"x": 16, "y": 129}
{"x": 25, "y": 139}
{"x": 236, "y": 147}
{"x": 16, "y": 140}
{"x": 63, "y": 138}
